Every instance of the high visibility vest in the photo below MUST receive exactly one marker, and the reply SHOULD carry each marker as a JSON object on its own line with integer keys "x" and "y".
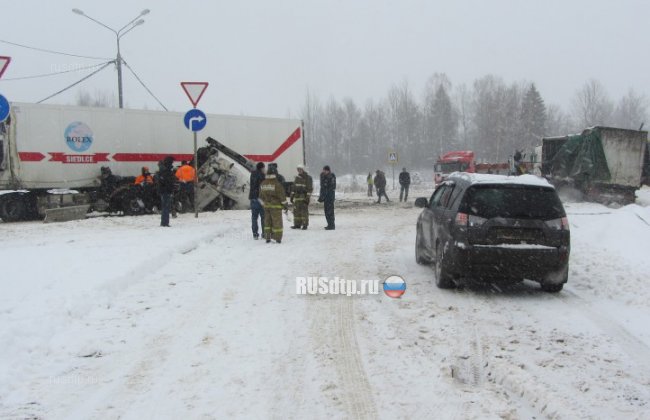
{"x": 185, "y": 173}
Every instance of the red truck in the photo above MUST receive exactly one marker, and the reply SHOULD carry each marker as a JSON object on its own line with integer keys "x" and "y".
{"x": 456, "y": 161}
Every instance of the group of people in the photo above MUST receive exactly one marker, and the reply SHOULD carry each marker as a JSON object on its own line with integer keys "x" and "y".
{"x": 268, "y": 194}
{"x": 378, "y": 182}
{"x": 268, "y": 199}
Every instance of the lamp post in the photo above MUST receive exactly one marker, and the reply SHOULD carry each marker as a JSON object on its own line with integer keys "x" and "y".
{"x": 137, "y": 21}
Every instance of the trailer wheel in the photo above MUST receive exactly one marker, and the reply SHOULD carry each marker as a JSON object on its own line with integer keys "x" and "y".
{"x": 13, "y": 207}
{"x": 132, "y": 206}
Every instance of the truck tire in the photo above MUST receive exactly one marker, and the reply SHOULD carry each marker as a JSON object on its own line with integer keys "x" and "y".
{"x": 132, "y": 205}
{"x": 443, "y": 279}
{"x": 14, "y": 207}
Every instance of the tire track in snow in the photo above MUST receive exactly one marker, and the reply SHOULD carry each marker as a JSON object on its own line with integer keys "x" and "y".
{"x": 445, "y": 400}
{"x": 532, "y": 395}
{"x": 334, "y": 336}
{"x": 360, "y": 402}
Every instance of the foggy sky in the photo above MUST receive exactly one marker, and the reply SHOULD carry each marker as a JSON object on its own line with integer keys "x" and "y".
{"x": 262, "y": 56}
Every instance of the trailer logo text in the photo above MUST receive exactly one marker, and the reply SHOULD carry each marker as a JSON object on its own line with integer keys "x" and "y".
{"x": 78, "y": 136}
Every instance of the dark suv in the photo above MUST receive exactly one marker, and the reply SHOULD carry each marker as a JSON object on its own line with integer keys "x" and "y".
{"x": 494, "y": 228}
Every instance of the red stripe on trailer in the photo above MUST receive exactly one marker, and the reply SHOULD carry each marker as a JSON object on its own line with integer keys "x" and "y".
{"x": 149, "y": 157}
{"x": 31, "y": 156}
{"x": 290, "y": 141}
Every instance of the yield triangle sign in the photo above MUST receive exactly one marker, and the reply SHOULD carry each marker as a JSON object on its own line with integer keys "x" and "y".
{"x": 4, "y": 63}
{"x": 194, "y": 91}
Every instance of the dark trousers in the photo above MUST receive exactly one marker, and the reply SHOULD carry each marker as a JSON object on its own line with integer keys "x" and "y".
{"x": 257, "y": 211}
{"x": 186, "y": 194}
{"x": 381, "y": 192}
{"x": 403, "y": 190}
{"x": 165, "y": 207}
{"x": 329, "y": 212}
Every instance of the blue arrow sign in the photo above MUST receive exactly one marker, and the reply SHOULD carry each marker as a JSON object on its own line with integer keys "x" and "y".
{"x": 195, "y": 120}
{"x": 4, "y": 108}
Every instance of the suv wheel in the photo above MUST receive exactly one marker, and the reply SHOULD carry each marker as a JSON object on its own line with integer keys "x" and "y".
{"x": 443, "y": 278}
{"x": 556, "y": 287}
{"x": 419, "y": 258}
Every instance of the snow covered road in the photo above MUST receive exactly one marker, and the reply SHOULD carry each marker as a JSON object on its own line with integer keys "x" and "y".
{"x": 117, "y": 318}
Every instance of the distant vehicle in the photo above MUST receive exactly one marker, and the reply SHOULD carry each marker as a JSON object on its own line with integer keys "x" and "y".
{"x": 494, "y": 228}
{"x": 604, "y": 164}
{"x": 450, "y": 162}
{"x": 57, "y": 147}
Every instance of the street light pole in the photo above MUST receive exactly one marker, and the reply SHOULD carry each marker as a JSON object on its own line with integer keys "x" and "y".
{"x": 118, "y": 35}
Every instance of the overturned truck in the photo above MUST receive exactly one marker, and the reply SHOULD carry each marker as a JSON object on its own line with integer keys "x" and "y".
{"x": 601, "y": 164}
{"x": 55, "y": 157}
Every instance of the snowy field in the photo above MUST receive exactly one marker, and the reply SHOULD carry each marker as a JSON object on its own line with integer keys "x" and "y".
{"x": 119, "y": 318}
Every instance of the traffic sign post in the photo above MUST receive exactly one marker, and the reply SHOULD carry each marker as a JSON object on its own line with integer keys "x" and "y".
{"x": 195, "y": 120}
{"x": 393, "y": 159}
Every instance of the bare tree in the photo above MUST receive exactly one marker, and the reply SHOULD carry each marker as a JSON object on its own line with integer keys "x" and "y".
{"x": 558, "y": 122}
{"x": 98, "y": 99}
{"x": 405, "y": 123}
{"x": 631, "y": 111}
{"x": 592, "y": 106}
{"x": 311, "y": 115}
{"x": 463, "y": 105}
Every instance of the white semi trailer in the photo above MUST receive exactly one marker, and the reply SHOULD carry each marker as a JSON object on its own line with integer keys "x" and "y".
{"x": 51, "y": 155}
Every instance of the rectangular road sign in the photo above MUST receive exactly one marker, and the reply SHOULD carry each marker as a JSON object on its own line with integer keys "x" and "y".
{"x": 393, "y": 158}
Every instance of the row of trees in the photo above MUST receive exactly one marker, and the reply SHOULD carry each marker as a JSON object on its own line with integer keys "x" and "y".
{"x": 491, "y": 117}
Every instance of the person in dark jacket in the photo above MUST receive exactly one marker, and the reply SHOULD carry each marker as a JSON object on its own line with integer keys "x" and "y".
{"x": 380, "y": 185}
{"x": 166, "y": 185}
{"x": 404, "y": 183}
{"x": 257, "y": 210}
{"x": 327, "y": 191}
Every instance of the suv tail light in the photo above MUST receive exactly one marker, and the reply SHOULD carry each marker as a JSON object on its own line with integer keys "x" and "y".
{"x": 558, "y": 224}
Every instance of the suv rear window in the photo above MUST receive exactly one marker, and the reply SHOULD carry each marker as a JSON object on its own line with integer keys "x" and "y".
{"x": 512, "y": 201}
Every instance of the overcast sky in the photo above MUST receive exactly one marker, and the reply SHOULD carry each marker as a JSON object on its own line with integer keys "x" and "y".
{"x": 261, "y": 56}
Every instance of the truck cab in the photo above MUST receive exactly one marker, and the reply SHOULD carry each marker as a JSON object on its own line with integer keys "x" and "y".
{"x": 450, "y": 162}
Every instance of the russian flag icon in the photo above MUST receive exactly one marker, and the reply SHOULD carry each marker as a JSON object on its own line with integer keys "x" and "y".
{"x": 394, "y": 287}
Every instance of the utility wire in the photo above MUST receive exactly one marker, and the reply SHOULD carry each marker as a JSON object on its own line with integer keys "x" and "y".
{"x": 56, "y": 73}
{"x": 77, "y": 82}
{"x": 143, "y": 85}
{"x": 52, "y": 51}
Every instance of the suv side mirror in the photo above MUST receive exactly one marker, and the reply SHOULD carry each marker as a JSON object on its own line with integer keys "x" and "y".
{"x": 421, "y": 202}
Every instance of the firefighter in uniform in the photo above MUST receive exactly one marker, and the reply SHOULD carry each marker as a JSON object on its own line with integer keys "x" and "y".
{"x": 300, "y": 194}
{"x": 272, "y": 196}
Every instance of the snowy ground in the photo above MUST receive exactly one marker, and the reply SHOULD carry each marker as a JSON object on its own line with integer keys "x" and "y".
{"x": 118, "y": 318}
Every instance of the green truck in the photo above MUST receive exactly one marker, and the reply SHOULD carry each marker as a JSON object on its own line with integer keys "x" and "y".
{"x": 601, "y": 164}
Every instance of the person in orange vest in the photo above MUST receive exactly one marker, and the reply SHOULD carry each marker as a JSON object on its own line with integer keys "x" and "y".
{"x": 144, "y": 178}
{"x": 185, "y": 175}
